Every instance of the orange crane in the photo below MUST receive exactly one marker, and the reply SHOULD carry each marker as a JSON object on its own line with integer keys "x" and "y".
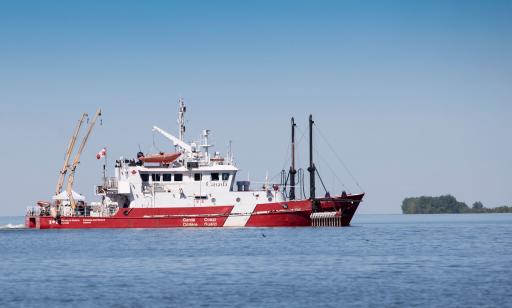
{"x": 76, "y": 160}
{"x": 71, "y": 145}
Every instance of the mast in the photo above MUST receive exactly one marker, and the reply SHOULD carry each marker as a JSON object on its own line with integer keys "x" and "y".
{"x": 71, "y": 145}
{"x": 312, "y": 167}
{"x": 181, "y": 119}
{"x": 292, "y": 167}
{"x": 76, "y": 160}
{"x": 206, "y": 145}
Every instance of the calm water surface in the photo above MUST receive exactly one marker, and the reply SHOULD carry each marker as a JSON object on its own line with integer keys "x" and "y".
{"x": 382, "y": 260}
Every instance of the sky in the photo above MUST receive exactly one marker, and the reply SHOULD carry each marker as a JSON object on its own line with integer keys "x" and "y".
{"x": 414, "y": 97}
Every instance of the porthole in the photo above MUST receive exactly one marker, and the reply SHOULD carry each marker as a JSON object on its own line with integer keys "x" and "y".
{"x": 214, "y": 200}
{"x": 270, "y": 199}
{"x": 237, "y": 199}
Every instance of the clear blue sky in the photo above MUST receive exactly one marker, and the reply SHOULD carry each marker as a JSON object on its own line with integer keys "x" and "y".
{"x": 416, "y": 96}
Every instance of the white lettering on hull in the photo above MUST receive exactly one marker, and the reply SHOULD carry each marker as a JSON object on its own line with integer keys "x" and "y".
{"x": 210, "y": 222}
{"x": 189, "y": 222}
{"x": 216, "y": 184}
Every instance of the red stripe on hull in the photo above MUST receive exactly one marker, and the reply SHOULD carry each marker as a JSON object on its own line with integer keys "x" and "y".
{"x": 280, "y": 214}
{"x": 280, "y": 219}
{"x": 139, "y": 218}
{"x": 346, "y": 206}
{"x": 298, "y": 213}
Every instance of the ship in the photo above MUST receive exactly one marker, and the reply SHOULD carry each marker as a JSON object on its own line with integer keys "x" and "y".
{"x": 189, "y": 186}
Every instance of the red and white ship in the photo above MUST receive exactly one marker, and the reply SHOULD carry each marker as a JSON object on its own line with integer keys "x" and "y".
{"x": 188, "y": 188}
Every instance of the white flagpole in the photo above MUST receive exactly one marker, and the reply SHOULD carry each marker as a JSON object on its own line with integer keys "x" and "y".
{"x": 105, "y": 165}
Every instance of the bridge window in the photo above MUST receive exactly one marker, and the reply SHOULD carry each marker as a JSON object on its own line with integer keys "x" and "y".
{"x": 215, "y": 176}
{"x": 155, "y": 177}
{"x": 144, "y": 177}
{"x": 167, "y": 177}
{"x": 225, "y": 176}
{"x": 197, "y": 177}
{"x": 178, "y": 177}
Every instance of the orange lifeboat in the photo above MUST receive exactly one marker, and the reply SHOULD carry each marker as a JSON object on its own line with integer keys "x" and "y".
{"x": 43, "y": 203}
{"x": 164, "y": 158}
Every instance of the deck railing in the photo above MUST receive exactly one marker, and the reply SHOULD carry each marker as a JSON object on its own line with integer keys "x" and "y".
{"x": 33, "y": 211}
{"x": 110, "y": 183}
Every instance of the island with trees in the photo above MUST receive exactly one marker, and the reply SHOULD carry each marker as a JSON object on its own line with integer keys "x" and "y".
{"x": 447, "y": 204}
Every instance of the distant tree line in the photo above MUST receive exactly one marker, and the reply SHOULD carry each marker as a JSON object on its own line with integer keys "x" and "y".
{"x": 446, "y": 204}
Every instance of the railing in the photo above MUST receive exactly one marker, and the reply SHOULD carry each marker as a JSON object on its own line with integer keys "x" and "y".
{"x": 110, "y": 183}
{"x": 33, "y": 211}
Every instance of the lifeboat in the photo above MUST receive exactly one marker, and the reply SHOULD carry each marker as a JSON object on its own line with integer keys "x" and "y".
{"x": 164, "y": 158}
{"x": 43, "y": 203}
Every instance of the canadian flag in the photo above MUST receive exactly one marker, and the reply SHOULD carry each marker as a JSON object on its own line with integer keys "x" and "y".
{"x": 101, "y": 153}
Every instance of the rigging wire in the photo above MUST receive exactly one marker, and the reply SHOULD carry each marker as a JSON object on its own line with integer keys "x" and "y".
{"x": 300, "y": 174}
{"x": 338, "y": 157}
{"x": 323, "y": 160}
{"x": 287, "y": 159}
{"x": 299, "y": 162}
{"x": 321, "y": 181}
{"x": 154, "y": 143}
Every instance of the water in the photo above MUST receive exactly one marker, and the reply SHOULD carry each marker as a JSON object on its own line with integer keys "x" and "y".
{"x": 382, "y": 260}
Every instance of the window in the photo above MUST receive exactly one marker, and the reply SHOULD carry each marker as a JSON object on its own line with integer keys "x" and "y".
{"x": 215, "y": 176}
{"x": 167, "y": 177}
{"x": 178, "y": 177}
{"x": 155, "y": 177}
{"x": 197, "y": 177}
{"x": 144, "y": 177}
{"x": 192, "y": 164}
{"x": 225, "y": 176}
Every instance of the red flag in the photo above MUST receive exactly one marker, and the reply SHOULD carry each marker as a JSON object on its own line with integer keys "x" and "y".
{"x": 101, "y": 153}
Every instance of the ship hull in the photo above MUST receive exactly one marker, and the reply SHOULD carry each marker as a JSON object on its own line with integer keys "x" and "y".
{"x": 336, "y": 211}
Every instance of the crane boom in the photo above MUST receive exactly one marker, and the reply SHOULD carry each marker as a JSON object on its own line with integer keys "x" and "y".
{"x": 176, "y": 141}
{"x": 76, "y": 160}
{"x": 71, "y": 145}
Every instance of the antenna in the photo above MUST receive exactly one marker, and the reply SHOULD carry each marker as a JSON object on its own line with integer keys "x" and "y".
{"x": 205, "y": 134}
{"x": 181, "y": 119}
{"x": 230, "y": 153}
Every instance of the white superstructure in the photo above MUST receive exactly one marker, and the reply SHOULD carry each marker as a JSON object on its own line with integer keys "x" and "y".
{"x": 194, "y": 179}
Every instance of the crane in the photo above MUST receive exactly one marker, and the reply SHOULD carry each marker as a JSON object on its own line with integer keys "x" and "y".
{"x": 76, "y": 160}
{"x": 71, "y": 145}
{"x": 176, "y": 141}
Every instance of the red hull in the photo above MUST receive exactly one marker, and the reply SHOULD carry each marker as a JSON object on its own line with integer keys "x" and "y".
{"x": 282, "y": 214}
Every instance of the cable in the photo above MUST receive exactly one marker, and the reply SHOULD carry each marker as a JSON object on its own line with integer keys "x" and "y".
{"x": 331, "y": 169}
{"x": 321, "y": 181}
{"x": 154, "y": 143}
{"x": 338, "y": 157}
